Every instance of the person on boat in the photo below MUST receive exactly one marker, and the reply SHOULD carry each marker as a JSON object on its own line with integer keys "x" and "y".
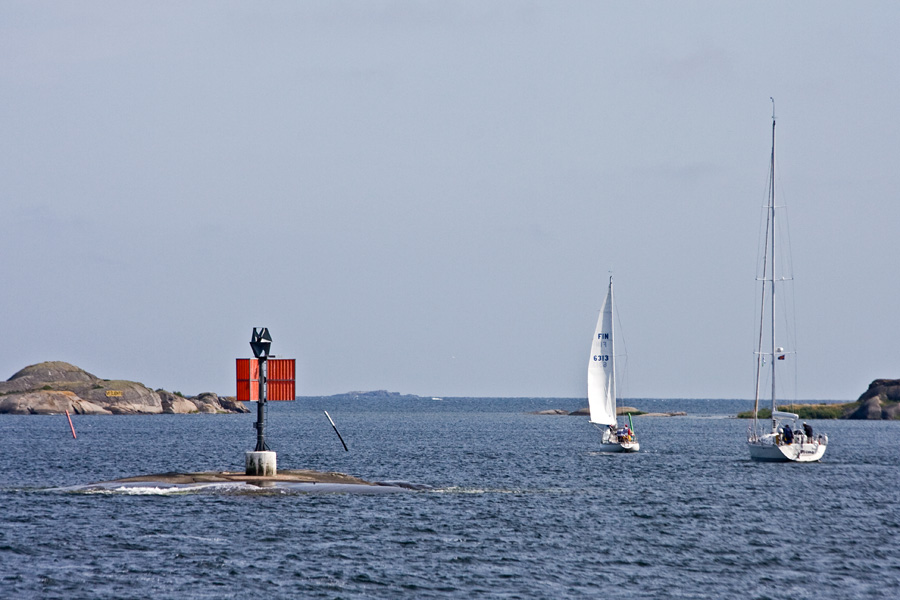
{"x": 610, "y": 434}
{"x": 807, "y": 429}
{"x": 788, "y": 435}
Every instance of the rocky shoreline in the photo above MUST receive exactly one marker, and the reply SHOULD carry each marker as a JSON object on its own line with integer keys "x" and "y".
{"x": 52, "y": 388}
{"x": 880, "y": 402}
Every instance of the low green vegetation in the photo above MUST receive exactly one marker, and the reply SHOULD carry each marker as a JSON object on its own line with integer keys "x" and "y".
{"x": 807, "y": 411}
{"x": 764, "y": 413}
{"x": 825, "y": 411}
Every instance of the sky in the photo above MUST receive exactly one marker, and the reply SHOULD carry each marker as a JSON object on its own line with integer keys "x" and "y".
{"x": 429, "y": 197}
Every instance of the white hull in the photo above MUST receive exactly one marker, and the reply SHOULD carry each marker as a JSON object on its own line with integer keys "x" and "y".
{"x": 765, "y": 450}
{"x": 611, "y": 443}
{"x": 621, "y": 447}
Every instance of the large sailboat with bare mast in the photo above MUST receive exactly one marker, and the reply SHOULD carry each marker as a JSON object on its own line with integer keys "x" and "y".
{"x": 784, "y": 440}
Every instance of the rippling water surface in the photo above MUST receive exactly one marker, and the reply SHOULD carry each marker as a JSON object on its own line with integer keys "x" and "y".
{"x": 520, "y": 506}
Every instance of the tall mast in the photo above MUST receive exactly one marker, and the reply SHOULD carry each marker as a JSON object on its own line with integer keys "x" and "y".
{"x": 772, "y": 216}
{"x": 768, "y": 278}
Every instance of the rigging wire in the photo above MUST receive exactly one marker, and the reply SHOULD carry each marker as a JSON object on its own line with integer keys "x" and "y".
{"x": 789, "y": 313}
{"x": 758, "y": 310}
{"x": 622, "y": 384}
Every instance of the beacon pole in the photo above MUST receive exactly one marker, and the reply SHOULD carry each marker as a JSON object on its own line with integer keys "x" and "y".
{"x": 260, "y": 343}
{"x": 261, "y": 408}
{"x": 254, "y": 384}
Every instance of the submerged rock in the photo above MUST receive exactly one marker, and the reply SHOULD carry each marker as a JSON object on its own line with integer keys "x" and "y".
{"x": 54, "y": 387}
{"x": 292, "y": 475}
{"x": 303, "y": 481}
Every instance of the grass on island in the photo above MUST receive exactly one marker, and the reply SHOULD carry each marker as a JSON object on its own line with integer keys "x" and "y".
{"x": 626, "y": 410}
{"x": 807, "y": 411}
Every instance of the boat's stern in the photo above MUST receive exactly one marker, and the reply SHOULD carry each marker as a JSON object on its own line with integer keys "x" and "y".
{"x": 768, "y": 449}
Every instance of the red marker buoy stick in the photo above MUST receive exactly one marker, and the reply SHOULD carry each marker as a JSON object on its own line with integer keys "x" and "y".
{"x": 74, "y": 437}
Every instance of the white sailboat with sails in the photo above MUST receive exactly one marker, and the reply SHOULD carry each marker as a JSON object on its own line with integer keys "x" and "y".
{"x": 602, "y": 385}
{"x": 785, "y": 441}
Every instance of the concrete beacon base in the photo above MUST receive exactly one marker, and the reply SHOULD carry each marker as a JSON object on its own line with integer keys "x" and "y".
{"x": 261, "y": 463}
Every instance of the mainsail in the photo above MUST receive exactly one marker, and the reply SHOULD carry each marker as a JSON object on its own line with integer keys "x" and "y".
{"x": 601, "y": 367}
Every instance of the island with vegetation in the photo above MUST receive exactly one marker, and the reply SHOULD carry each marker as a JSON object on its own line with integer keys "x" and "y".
{"x": 621, "y": 411}
{"x": 50, "y": 388}
{"x": 880, "y": 402}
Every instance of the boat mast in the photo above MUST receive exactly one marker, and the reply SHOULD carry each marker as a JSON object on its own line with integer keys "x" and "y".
{"x": 772, "y": 217}
{"x": 768, "y": 275}
{"x": 612, "y": 348}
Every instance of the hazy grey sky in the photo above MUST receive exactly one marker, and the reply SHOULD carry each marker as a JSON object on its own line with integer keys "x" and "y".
{"x": 428, "y": 197}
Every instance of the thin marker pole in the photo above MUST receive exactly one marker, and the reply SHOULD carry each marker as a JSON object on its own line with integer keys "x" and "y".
{"x": 74, "y": 437}
{"x": 336, "y": 431}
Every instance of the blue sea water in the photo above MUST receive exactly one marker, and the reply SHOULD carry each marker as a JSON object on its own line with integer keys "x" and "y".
{"x": 519, "y": 506}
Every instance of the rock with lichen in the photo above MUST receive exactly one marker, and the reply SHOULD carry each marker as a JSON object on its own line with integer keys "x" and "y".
{"x": 55, "y": 387}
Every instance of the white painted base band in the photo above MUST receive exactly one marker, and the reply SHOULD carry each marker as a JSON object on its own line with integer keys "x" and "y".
{"x": 261, "y": 463}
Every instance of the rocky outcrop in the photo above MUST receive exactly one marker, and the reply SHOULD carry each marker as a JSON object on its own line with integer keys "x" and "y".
{"x": 55, "y": 387}
{"x": 48, "y": 402}
{"x": 885, "y": 389}
{"x": 880, "y": 401}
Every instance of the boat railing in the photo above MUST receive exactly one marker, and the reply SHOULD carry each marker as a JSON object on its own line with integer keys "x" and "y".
{"x": 802, "y": 439}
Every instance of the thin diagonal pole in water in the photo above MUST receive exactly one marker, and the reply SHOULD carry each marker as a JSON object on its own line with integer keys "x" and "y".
{"x": 336, "y": 431}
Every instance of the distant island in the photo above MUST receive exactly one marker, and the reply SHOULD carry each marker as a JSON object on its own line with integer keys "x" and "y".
{"x": 621, "y": 411}
{"x": 373, "y": 395}
{"x": 50, "y": 388}
{"x": 880, "y": 402}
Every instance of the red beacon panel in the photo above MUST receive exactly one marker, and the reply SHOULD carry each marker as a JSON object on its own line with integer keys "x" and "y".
{"x": 247, "y": 380}
{"x": 280, "y": 385}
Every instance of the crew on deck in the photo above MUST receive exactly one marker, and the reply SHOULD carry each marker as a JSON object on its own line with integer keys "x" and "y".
{"x": 807, "y": 429}
{"x": 788, "y": 435}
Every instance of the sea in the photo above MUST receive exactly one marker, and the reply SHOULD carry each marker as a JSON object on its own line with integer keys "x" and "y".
{"x": 509, "y": 505}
